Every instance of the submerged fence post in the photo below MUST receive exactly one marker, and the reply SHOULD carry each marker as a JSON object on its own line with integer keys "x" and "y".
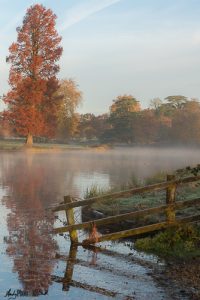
{"x": 71, "y": 220}
{"x": 170, "y": 200}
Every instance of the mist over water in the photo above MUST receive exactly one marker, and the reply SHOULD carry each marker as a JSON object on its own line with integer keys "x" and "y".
{"x": 31, "y": 182}
{"x": 53, "y": 175}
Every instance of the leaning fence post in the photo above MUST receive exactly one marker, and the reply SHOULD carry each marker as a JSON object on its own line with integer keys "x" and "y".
{"x": 71, "y": 220}
{"x": 170, "y": 200}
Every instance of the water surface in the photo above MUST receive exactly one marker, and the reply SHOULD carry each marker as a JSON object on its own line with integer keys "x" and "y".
{"x": 36, "y": 263}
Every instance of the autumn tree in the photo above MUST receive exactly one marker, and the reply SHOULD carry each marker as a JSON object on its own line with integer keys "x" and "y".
{"x": 67, "y": 118}
{"x": 93, "y": 127}
{"x": 125, "y": 104}
{"x": 122, "y": 113}
{"x": 186, "y": 124}
{"x": 32, "y": 104}
{"x": 145, "y": 127}
{"x": 5, "y": 129}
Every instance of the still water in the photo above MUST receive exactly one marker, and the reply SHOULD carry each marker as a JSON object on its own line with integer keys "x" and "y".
{"x": 37, "y": 265}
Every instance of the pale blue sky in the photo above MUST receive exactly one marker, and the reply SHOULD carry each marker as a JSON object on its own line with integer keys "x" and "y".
{"x": 147, "y": 48}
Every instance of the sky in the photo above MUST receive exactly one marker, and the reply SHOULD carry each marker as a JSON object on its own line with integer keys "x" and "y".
{"x": 146, "y": 48}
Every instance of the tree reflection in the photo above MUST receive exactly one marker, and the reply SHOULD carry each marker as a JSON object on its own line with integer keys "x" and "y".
{"x": 29, "y": 243}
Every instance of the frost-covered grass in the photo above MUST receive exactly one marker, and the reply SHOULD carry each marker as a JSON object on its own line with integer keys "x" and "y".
{"x": 142, "y": 201}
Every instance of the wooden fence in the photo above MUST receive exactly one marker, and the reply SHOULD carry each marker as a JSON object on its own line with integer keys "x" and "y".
{"x": 169, "y": 209}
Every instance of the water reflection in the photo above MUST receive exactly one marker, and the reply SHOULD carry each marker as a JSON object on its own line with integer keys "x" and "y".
{"x": 113, "y": 274}
{"x": 29, "y": 243}
{"x": 67, "y": 281}
{"x": 70, "y": 268}
{"x": 34, "y": 182}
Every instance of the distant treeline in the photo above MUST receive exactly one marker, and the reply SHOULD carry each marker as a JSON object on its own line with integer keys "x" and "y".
{"x": 175, "y": 120}
{"x": 40, "y": 106}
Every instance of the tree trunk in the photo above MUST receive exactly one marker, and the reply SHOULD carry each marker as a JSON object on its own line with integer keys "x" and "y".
{"x": 29, "y": 140}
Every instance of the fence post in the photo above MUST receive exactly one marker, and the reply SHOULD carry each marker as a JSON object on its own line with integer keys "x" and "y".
{"x": 170, "y": 200}
{"x": 71, "y": 220}
{"x": 70, "y": 268}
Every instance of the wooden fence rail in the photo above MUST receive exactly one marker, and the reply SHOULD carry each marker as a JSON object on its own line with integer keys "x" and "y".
{"x": 169, "y": 209}
{"x": 126, "y": 193}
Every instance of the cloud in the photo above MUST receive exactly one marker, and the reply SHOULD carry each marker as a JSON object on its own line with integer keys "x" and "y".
{"x": 83, "y": 11}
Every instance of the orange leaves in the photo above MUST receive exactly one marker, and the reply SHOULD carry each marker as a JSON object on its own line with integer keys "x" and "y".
{"x": 31, "y": 101}
{"x": 37, "y": 48}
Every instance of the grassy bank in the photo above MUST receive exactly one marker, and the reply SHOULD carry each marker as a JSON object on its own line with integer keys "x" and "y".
{"x": 19, "y": 145}
{"x": 180, "y": 247}
{"x": 141, "y": 201}
{"x": 11, "y": 145}
{"x": 182, "y": 242}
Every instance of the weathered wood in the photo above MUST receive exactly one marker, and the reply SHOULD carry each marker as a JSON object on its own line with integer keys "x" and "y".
{"x": 170, "y": 199}
{"x": 126, "y": 193}
{"x": 170, "y": 185}
{"x": 71, "y": 220}
{"x": 135, "y": 214}
{"x": 142, "y": 230}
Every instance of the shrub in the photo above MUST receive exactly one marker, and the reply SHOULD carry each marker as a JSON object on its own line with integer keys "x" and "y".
{"x": 179, "y": 242}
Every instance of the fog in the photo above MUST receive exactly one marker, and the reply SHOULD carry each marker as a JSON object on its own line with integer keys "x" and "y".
{"x": 52, "y": 175}
{"x": 32, "y": 182}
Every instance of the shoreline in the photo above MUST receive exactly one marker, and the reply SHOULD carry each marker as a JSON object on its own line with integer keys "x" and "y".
{"x": 19, "y": 145}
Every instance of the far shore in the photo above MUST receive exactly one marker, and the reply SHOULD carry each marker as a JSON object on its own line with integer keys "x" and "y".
{"x": 19, "y": 145}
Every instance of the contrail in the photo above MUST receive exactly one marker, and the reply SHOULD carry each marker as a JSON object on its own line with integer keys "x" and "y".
{"x": 83, "y": 11}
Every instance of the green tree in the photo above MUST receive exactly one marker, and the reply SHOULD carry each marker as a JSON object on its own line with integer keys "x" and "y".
{"x": 177, "y": 101}
{"x": 123, "y": 111}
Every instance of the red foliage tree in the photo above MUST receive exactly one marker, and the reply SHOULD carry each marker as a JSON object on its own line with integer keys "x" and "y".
{"x": 32, "y": 103}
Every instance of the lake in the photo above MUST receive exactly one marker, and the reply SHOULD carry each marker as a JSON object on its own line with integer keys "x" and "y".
{"x": 34, "y": 262}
